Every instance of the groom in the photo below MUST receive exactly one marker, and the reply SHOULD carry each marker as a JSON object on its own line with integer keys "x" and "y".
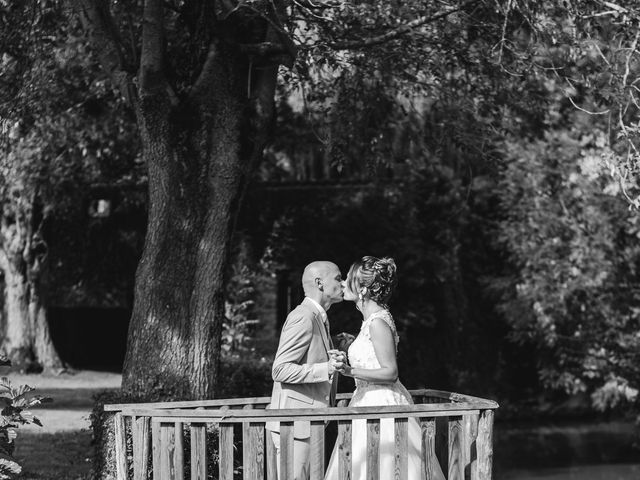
{"x": 303, "y": 372}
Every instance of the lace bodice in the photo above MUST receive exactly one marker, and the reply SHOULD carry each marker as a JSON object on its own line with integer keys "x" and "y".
{"x": 361, "y": 352}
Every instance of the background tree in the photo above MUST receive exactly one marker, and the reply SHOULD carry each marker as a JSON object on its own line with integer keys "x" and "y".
{"x": 55, "y": 112}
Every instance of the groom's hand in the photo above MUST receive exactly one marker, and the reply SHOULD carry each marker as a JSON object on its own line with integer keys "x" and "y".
{"x": 335, "y": 365}
{"x": 337, "y": 355}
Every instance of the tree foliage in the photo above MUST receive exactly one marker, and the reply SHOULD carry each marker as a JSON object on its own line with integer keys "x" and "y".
{"x": 574, "y": 294}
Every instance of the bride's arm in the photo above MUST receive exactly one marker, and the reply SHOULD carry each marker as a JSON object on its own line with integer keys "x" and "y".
{"x": 385, "y": 347}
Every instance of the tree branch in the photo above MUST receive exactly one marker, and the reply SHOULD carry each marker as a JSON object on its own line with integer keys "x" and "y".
{"x": 152, "y": 78}
{"x": 396, "y": 32}
{"x": 267, "y": 49}
{"x": 98, "y": 22}
{"x": 207, "y": 72}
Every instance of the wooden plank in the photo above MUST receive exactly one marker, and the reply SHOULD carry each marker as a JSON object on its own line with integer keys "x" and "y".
{"x": 373, "y": 449}
{"x": 272, "y": 469}
{"x": 344, "y": 449}
{"x": 155, "y": 439}
{"x": 247, "y": 467}
{"x": 121, "y": 446}
{"x": 286, "y": 450}
{"x": 226, "y": 452}
{"x": 253, "y": 452}
{"x": 140, "y": 430}
{"x": 442, "y": 442}
{"x": 484, "y": 444}
{"x": 310, "y": 414}
{"x": 470, "y": 452}
{"x": 401, "y": 433}
{"x": 178, "y": 451}
{"x": 198, "y": 452}
{"x": 316, "y": 452}
{"x": 166, "y": 451}
{"x": 256, "y": 401}
{"x": 231, "y": 419}
{"x": 428, "y": 454}
{"x": 331, "y": 412}
{"x": 456, "y": 464}
{"x": 261, "y": 402}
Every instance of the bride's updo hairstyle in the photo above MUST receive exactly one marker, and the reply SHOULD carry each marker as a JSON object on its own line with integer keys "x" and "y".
{"x": 378, "y": 275}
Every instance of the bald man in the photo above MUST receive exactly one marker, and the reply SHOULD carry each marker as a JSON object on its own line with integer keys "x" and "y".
{"x": 303, "y": 370}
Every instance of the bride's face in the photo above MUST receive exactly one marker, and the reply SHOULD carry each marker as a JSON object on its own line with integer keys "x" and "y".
{"x": 349, "y": 294}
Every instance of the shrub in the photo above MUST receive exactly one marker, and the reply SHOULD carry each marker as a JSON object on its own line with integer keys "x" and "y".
{"x": 14, "y": 403}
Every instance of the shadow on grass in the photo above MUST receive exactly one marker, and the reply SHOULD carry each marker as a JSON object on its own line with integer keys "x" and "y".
{"x": 54, "y": 456}
{"x": 69, "y": 398}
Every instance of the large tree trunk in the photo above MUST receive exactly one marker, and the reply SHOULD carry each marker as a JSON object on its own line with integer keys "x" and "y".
{"x": 23, "y": 260}
{"x": 200, "y": 154}
{"x": 17, "y": 335}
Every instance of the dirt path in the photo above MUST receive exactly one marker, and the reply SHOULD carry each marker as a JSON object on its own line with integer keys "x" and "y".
{"x": 60, "y": 449}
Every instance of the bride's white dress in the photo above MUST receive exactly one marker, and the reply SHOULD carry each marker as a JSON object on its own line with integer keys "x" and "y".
{"x": 362, "y": 355}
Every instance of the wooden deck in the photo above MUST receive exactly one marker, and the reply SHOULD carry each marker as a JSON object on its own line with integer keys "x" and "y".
{"x": 226, "y": 439}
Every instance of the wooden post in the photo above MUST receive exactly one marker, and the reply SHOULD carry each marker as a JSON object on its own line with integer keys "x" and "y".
{"x": 373, "y": 449}
{"x": 470, "y": 451}
{"x": 167, "y": 446}
{"x": 155, "y": 439}
{"x": 272, "y": 469}
{"x": 178, "y": 452}
{"x": 485, "y": 445}
{"x": 253, "y": 451}
{"x": 198, "y": 451}
{"x": 316, "y": 452}
{"x": 286, "y": 450}
{"x": 401, "y": 449}
{"x": 226, "y": 451}
{"x": 344, "y": 449}
{"x": 456, "y": 465}
{"x": 428, "y": 452}
{"x": 140, "y": 432}
{"x": 121, "y": 446}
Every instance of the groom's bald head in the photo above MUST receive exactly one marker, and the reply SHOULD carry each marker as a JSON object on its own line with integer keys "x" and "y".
{"x": 321, "y": 280}
{"x": 313, "y": 271}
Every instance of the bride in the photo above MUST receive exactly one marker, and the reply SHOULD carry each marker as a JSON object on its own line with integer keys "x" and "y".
{"x": 373, "y": 365}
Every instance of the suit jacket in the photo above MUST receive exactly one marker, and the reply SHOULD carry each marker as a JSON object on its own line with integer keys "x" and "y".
{"x": 300, "y": 371}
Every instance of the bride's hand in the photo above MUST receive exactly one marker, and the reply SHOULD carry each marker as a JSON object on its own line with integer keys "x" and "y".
{"x": 343, "y": 341}
{"x": 346, "y": 370}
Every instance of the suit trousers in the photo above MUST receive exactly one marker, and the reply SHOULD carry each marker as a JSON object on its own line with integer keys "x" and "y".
{"x": 301, "y": 462}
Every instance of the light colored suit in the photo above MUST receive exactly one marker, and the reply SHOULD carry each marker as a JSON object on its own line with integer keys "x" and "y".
{"x": 300, "y": 375}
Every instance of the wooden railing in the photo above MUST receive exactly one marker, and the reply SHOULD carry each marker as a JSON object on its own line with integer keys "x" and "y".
{"x": 226, "y": 439}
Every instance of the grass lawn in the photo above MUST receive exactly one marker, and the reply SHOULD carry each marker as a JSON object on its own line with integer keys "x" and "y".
{"x": 61, "y": 449}
{"x": 55, "y": 456}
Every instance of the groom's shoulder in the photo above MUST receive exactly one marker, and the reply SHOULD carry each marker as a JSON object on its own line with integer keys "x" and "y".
{"x": 301, "y": 312}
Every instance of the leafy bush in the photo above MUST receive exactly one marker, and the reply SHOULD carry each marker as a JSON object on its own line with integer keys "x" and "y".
{"x": 238, "y": 327}
{"x": 574, "y": 245}
{"x": 15, "y": 403}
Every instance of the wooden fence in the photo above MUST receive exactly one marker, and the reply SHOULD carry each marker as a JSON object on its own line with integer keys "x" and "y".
{"x": 225, "y": 439}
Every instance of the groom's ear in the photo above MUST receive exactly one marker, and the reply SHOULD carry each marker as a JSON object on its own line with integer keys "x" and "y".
{"x": 319, "y": 284}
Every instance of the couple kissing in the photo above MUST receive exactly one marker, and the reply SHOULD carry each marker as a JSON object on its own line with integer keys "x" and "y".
{"x": 306, "y": 366}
